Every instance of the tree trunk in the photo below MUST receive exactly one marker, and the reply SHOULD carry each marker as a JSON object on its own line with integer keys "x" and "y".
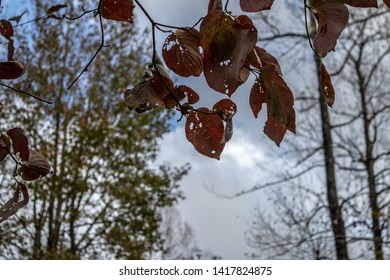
{"x": 369, "y": 165}
{"x": 337, "y": 220}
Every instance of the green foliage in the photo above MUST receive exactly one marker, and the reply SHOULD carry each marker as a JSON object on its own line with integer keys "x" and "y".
{"x": 105, "y": 196}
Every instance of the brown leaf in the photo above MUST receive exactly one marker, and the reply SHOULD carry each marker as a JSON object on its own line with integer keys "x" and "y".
{"x": 19, "y": 143}
{"x": 181, "y": 53}
{"x": 226, "y": 43}
{"x": 257, "y": 98}
{"x": 260, "y": 58}
{"x": 326, "y": 86}
{"x": 274, "y": 130}
{"x": 332, "y": 19}
{"x": 205, "y": 131}
{"x": 214, "y": 5}
{"x": 255, "y": 5}
{"x": 15, "y": 203}
{"x": 36, "y": 167}
{"x": 120, "y": 10}
{"x": 148, "y": 94}
{"x": 55, "y": 8}
{"x": 225, "y": 108}
{"x": 11, "y": 70}
{"x": 6, "y": 29}
{"x": 180, "y": 93}
{"x": 387, "y": 2}
{"x": 271, "y": 89}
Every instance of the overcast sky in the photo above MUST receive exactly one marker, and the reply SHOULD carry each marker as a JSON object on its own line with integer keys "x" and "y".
{"x": 219, "y": 223}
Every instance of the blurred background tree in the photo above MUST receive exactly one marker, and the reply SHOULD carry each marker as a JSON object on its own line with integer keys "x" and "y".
{"x": 106, "y": 195}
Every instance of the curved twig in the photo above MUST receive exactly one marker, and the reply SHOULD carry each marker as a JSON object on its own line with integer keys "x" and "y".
{"x": 26, "y": 93}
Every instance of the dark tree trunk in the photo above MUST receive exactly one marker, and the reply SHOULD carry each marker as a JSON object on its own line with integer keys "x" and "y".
{"x": 337, "y": 220}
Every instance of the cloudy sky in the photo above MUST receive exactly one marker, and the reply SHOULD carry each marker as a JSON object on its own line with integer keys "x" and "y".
{"x": 219, "y": 223}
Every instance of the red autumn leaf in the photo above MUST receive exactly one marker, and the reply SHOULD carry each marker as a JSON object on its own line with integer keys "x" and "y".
{"x": 36, "y": 167}
{"x": 226, "y": 109}
{"x": 55, "y": 8}
{"x": 6, "y": 29}
{"x": 274, "y": 130}
{"x": 11, "y": 70}
{"x": 180, "y": 93}
{"x": 326, "y": 86}
{"x": 121, "y": 10}
{"x": 14, "y": 204}
{"x": 205, "y": 131}
{"x": 354, "y": 3}
{"x": 255, "y": 5}
{"x": 214, "y": 5}
{"x": 332, "y": 19}
{"x": 260, "y": 58}
{"x": 271, "y": 89}
{"x": 19, "y": 143}
{"x": 181, "y": 53}
{"x": 177, "y": 95}
{"x": 148, "y": 94}
{"x": 226, "y": 43}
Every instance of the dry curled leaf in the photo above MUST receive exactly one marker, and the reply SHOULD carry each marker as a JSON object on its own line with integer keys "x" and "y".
{"x": 36, "y": 167}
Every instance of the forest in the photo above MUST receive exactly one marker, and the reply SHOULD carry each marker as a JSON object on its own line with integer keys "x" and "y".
{"x": 117, "y": 129}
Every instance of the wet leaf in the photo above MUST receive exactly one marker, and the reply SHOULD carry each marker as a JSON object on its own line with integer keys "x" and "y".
{"x": 19, "y": 143}
{"x": 332, "y": 19}
{"x": 205, "y": 131}
{"x": 11, "y": 70}
{"x": 255, "y": 5}
{"x": 181, "y": 53}
{"x": 120, "y": 10}
{"x": 326, "y": 86}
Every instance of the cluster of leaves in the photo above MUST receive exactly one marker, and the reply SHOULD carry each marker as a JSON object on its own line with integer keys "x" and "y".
{"x": 224, "y": 50}
{"x": 29, "y": 164}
